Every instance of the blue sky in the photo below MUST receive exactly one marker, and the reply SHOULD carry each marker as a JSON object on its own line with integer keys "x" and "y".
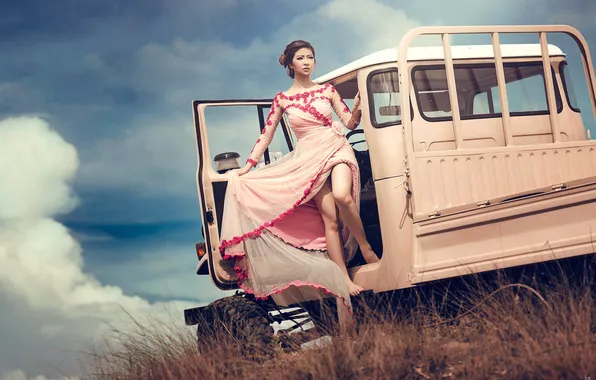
{"x": 115, "y": 79}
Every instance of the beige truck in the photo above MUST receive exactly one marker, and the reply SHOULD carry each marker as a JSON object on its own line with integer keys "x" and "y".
{"x": 485, "y": 165}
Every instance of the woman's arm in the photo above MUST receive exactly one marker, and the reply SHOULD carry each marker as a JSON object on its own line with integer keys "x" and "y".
{"x": 351, "y": 119}
{"x": 264, "y": 140}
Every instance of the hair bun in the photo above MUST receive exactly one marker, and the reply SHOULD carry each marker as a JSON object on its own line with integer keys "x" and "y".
{"x": 288, "y": 55}
{"x": 282, "y": 60}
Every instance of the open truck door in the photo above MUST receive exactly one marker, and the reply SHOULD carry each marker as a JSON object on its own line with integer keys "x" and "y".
{"x": 226, "y": 131}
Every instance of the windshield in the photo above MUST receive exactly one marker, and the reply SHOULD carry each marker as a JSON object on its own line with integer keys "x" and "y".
{"x": 236, "y": 129}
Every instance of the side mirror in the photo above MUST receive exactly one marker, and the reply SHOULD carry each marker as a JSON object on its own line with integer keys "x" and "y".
{"x": 226, "y": 161}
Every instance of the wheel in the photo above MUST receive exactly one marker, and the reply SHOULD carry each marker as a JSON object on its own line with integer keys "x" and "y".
{"x": 324, "y": 316}
{"x": 240, "y": 319}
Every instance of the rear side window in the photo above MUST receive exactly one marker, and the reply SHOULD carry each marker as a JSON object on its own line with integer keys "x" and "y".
{"x": 384, "y": 98}
{"x": 478, "y": 93}
{"x": 568, "y": 85}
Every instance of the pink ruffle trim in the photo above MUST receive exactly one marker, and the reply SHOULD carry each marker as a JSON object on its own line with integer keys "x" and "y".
{"x": 242, "y": 274}
{"x": 225, "y": 244}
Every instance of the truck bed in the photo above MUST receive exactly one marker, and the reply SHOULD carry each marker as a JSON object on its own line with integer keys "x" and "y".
{"x": 540, "y": 225}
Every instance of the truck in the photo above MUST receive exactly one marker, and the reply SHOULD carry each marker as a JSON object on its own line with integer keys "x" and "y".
{"x": 472, "y": 158}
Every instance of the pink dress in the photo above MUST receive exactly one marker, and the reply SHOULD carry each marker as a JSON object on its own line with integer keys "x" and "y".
{"x": 271, "y": 225}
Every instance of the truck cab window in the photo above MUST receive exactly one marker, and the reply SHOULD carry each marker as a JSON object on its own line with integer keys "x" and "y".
{"x": 384, "y": 98}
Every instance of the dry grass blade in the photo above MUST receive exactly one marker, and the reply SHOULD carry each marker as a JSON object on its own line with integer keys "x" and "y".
{"x": 515, "y": 331}
{"x": 487, "y": 298}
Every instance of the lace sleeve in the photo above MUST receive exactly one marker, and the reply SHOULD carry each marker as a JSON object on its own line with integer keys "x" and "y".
{"x": 349, "y": 119}
{"x": 267, "y": 134}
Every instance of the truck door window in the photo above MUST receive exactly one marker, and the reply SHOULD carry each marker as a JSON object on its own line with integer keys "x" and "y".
{"x": 237, "y": 128}
{"x": 384, "y": 98}
{"x": 569, "y": 89}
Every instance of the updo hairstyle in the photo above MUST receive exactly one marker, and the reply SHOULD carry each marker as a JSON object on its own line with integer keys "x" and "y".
{"x": 288, "y": 55}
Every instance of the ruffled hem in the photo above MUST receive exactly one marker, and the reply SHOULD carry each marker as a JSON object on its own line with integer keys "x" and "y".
{"x": 242, "y": 274}
{"x": 225, "y": 244}
{"x": 302, "y": 248}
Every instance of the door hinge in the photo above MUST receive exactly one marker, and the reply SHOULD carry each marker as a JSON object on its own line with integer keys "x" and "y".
{"x": 483, "y": 204}
{"x": 209, "y": 216}
{"x": 434, "y": 214}
{"x": 560, "y": 186}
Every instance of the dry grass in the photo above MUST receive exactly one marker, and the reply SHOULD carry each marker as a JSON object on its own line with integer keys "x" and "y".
{"x": 546, "y": 331}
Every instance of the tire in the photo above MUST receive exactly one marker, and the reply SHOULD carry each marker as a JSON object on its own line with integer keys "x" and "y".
{"x": 324, "y": 316}
{"x": 240, "y": 319}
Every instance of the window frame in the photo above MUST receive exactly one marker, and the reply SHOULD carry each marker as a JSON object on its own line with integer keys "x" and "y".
{"x": 371, "y": 101}
{"x": 562, "y": 66}
{"x": 417, "y": 68}
{"x": 262, "y": 111}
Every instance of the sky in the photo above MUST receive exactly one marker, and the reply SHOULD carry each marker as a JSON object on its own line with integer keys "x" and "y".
{"x": 98, "y": 199}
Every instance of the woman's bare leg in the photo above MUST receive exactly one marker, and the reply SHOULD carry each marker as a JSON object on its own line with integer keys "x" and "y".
{"x": 341, "y": 183}
{"x": 326, "y": 204}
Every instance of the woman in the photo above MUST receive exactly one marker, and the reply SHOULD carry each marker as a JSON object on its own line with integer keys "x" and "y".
{"x": 280, "y": 223}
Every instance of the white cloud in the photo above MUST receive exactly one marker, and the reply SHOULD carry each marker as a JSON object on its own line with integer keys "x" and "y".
{"x": 582, "y": 17}
{"x": 159, "y": 156}
{"x": 180, "y": 70}
{"x": 28, "y": 146}
{"x": 16, "y": 96}
{"x": 153, "y": 158}
{"x": 174, "y": 265}
{"x": 20, "y": 375}
{"x": 362, "y": 27}
{"x": 50, "y": 306}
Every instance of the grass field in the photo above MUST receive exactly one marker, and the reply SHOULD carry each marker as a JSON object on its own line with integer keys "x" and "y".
{"x": 545, "y": 329}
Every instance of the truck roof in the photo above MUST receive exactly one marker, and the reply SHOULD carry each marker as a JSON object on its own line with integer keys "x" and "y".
{"x": 428, "y": 53}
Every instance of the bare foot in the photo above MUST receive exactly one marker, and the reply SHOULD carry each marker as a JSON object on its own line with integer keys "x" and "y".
{"x": 353, "y": 288}
{"x": 369, "y": 255}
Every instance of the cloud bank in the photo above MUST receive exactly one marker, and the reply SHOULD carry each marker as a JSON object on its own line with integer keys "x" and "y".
{"x": 51, "y": 307}
{"x": 181, "y": 71}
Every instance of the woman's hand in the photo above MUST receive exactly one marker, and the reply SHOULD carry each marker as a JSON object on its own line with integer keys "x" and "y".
{"x": 243, "y": 171}
{"x": 356, "y": 113}
{"x": 356, "y": 102}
